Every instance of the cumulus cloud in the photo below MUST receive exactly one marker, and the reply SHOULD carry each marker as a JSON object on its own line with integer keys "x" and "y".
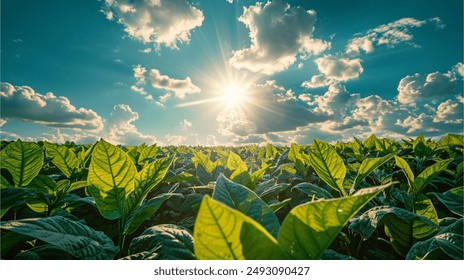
{"x": 419, "y": 87}
{"x": 185, "y": 124}
{"x": 389, "y": 34}
{"x": 121, "y": 129}
{"x": 2, "y": 122}
{"x": 162, "y": 22}
{"x": 334, "y": 69}
{"x": 180, "y": 88}
{"x": 278, "y": 33}
{"x": 23, "y": 103}
{"x": 269, "y": 108}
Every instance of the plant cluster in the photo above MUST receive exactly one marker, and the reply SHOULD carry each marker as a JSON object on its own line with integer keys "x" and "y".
{"x": 371, "y": 199}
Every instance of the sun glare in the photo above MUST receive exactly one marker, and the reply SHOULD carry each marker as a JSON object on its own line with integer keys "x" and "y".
{"x": 233, "y": 95}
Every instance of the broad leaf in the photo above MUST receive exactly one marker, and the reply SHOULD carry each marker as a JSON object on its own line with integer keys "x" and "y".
{"x": 313, "y": 190}
{"x": 63, "y": 158}
{"x": 453, "y": 199}
{"x": 144, "y": 212}
{"x": 429, "y": 174}
{"x": 222, "y": 233}
{"x": 367, "y": 166}
{"x": 162, "y": 242}
{"x": 309, "y": 229}
{"x": 246, "y": 201}
{"x": 328, "y": 165}
{"x": 23, "y": 160}
{"x": 450, "y": 244}
{"x": 451, "y": 139}
{"x": 147, "y": 154}
{"x": 401, "y": 163}
{"x": 111, "y": 179}
{"x": 10, "y": 197}
{"x": 145, "y": 180}
{"x": 73, "y": 237}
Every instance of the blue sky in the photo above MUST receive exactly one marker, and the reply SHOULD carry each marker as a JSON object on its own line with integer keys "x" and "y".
{"x": 230, "y": 72}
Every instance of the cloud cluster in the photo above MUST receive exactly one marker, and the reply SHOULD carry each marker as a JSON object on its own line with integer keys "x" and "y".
{"x": 180, "y": 88}
{"x": 23, "y": 103}
{"x": 389, "y": 34}
{"x": 334, "y": 69}
{"x": 121, "y": 130}
{"x": 162, "y": 22}
{"x": 278, "y": 33}
{"x": 419, "y": 87}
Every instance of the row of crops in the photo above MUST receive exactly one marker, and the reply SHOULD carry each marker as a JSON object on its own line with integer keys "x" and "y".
{"x": 371, "y": 199}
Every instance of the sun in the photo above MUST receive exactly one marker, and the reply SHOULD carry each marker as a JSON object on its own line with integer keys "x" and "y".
{"x": 233, "y": 95}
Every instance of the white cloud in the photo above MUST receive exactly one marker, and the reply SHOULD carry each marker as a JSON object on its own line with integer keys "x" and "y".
{"x": 270, "y": 108}
{"x": 389, "y": 34}
{"x": 162, "y": 22}
{"x": 180, "y": 88}
{"x": 450, "y": 111}
{"x": 2, "y": 122}
{"x": 459, "y": 69}
{"x": 146, "y": 50}
{"x": 278, "y": 33}
{"x": 418, "y": 87}
{"x": 211, "y": 140}
{"x": 333, "y": 70}
{"x": 23, "y": 103}
{"x": 185, "y": 124}
{"x": 121, "y": 129}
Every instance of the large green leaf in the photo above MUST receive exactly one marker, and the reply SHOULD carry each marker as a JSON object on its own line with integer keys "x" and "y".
{"x": 162, "y": 242}
{"x": 246, "y": 201}
{"x": 453, "y": 199}
{"x": 309, "y": 229}
{"x": 73, "y": 237}
{"x": 10, "y": 197}
{"x": 451, "y": 139}
{"x": 402, "y": 226}
{"x": 450, "y": 244}
{"x": 23, "y": 160}
{"x": 63, "y": 158}
{"x": 401, "y": 163}
{"x": 429, "y": 174}
{"x": 111, "y": 179}
{"x": 367, "y": 166}
{"x": 328, "y": 165}
{"x": 147, "y": 154}
{"x": 223, "y": 233}
{"x": 144, "y": 212}
{"x": 145, "y": 180}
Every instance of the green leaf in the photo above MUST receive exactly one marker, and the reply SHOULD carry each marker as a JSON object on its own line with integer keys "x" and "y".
{"x": 62, "y": 157}
{"x": 328, "y": 165}
{"x": 147, "y": 154}
{"x": 450, "y": 244}
{"x": 111, "y": 179}
{"x": 451, "y": 140}
{"x": 145, "y": 180}
{"x": 144, "y": 212}
{"x": 246, "y": 201}
{"x": 23, "y": 160}
{"x": 313, "y": 190}
{"x": 309, "y": 229}
{"x": 401, "y": 163}
{"x": 162, "y": 242}
{"x": 367, "y": 166}
{"x": 73, "y": 237}
{"x": 10, "y": 197}
{"x": 429, "y": 174}
{"x": 222, "y": 233}
{"x": 402, "y": 226}
{"x": 234, "y": 162}
{"x": 453, "y": 199}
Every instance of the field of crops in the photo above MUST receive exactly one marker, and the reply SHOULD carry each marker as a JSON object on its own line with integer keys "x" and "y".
{"x": 371, "y": 199}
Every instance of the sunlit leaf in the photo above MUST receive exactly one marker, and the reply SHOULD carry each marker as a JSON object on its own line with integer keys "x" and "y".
{"x": 222, "y": 233}
{"x": 309, "y": 229}
{"x": 23, "y": 160}
{"x": 246, "y": 201}
{"x": 63, "y": 158}
{"x": 328, "y": 165}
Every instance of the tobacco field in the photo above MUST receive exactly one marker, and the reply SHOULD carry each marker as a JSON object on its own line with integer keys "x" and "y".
{"x": 372, "y": 199}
